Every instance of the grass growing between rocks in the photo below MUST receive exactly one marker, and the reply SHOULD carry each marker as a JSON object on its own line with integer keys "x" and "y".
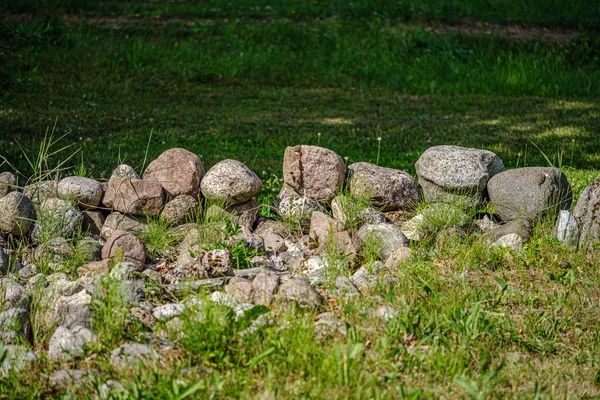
{"x": 245, "y": 80}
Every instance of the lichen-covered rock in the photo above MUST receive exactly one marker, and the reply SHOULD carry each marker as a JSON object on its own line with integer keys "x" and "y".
{"x": 587, "y": 212}
{"x": 134, "y": 196}
{"x": 73, "y": 310}
{"x": 512, "y": 241}
{"x": 8, "y": 183}
{"x": 314, "y": 172}
{"x": 193, "y": 263}
{"x": 15, "y": 325}
{"x": 54, "y": 252}
{"x": 168, "y": 311}
{"x": 86, "y": 192}
{"x": 126, "y": 244}
{"x": 231, "y": 182}
{"x": 180, "y": 210}
{"x": 40, "y": 191}
{"x": 398, "y": 256}
{"x": 17, "y": 214}
{"x": 529, "y": 193}
{"x": 294, "y": 207}
{"x": 388, "y": 189}
{"x": 520, "y": 227}
{"x": 453, "y": 173}
{"x": 387, "y": 236}
{"x": 178, "y": 171}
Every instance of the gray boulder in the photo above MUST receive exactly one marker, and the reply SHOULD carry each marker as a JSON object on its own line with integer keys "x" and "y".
{"x": 512, "y": 241}
{"x": 299, "y": 290}
{"x": 57, "y": 218}
{"x": 314, "y": 172}
{"x": 453, "y": 173}
{"x": 587, "y": 212}
{"x": 388, "y": 236}
{"x": 17, "y": 214}
{"x": 40, "y": 191}
{"x": 388, "y": 189}
{"x": 3, "y": 261}
{"x": 529, "y": 193}
{"x": 231, "y": 182}
{"x": 263, "y": 287}
{"x": 520, "y": 227}
{"x": 86, "y": 192}
{"x": 15, "y": 324}
{"x": 125, "y": 171}
{"x": 66, "y": 343}
{"x": 294, "y": 207}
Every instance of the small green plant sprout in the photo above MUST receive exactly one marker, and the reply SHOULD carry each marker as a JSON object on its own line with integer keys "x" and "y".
{"x": 336, "y": 260}
{"x": 350, "y": 209}
{"x": 371, "y": 248}
{"x": 318, "y": 138}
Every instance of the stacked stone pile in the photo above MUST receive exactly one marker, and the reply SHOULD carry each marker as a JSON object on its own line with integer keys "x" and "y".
{"x": 291, "y": 265}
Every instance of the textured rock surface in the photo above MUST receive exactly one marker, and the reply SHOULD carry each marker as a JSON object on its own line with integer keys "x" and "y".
{"x": 298, "y": 289}
{"x": 520, "y": 227}
{"x": 180, "y": 210}
{"x": 566, "y": 229}
{"x": 57, "y": 217}
{"x": 117, "y": 221}
{"x": 240, "y": 288}
{"x": 125, "y": 171}
{"x": 92, "y": 222}
{"x": 134, "y": 196}
{"x": 245, "y": 214}
{"x": 40, "y": 191}
{"x": 388, "y": 236}
{"x": 86, "y": 192}
{"x": 529, "y": 193}
{"x": 8, "y": 183}
{"x": 322, "y": 225}
{"x": 587, "y": 212}
{"x": 398, "y": 256}
{"x": 127, "y": 244}
{"x": 178, "y": 170}
{"x": 294, "y": 207}
{"x": 512, "y": 241}
{"x": 264, "y": 286}
{"x": 66, "y": 344}
{"x": 452, "y": 173}
{"x": 231, "y": 182}
{"x": 16, "y": 358}
{"x": 17, "y": 214}
{"x": 389, "y": 189}
{"x": 315, "y": 172}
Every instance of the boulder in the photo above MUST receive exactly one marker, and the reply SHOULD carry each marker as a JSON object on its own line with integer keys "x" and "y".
{"x": 453, "y": 173}
{"x": 293, "y": 207}
{"x": 388, "y": 189}
{"x": 8, "y": 183}
{"x": 587, "y": 212}
{"x": 180, "y": 210}
{"x": 299, "y": 290}
{"x": 519, "y": 227}
{"x": 529, "y": 193}
{"x": 398, "y": 256}
{"x": 92, "y": 222}
{"x": 240, "y": 288}
{"x": 117, "y": 221}
{"x": 56, "y": 218}
{"x": 127, "y": 244}
{"x": 134, "y": 196}
{"x": 130, "y": 354}
{"x": 263, "y": 287}
{"x": 178, "y": 171}
{"x": 15, "y": 358}
{"x": 512, "y": 241}
{"x": 388, "y": 237}
{"x": 351, "y": 212}
{"x": 230, "y": 182}
{"x": 314, "y": 172}
{"x": 40, "y": 191}
{"x": 86, "y": 192}
{"x": 245, "y": 215}
{"x": 17, "y": 214}
{"x": 125, "y": 171}
{"x": 322, "y": 225}
{"x": 66, "y": 343}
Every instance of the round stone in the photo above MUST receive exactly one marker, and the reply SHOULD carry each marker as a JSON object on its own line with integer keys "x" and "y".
{"x": 86, "y": 192}
{"x": 231, "y": 182}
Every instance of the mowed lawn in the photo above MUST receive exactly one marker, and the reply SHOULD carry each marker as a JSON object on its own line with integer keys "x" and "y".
{"x": 126, "y": 80}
